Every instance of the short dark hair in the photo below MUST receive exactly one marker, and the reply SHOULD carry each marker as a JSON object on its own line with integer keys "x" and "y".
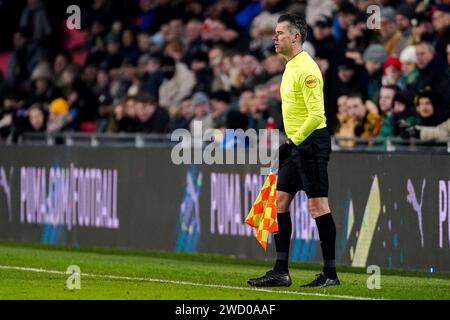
{"x": 430, "y": 47}
{"x": 355, "y": 95}
{"x": 296, "y": 23}
{"x": 146, "y": 98}
{"x": 391, "y": 87}
{"x": 221, "y": 95}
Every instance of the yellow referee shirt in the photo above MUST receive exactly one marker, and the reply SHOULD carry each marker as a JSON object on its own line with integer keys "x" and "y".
{"x": 302, "y": 98}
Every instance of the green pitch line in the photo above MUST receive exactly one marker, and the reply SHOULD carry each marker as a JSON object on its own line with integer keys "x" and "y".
{"x": 38, "y": 272}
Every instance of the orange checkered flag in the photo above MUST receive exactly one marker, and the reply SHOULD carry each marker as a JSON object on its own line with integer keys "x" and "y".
{"x": 263, "y": 215}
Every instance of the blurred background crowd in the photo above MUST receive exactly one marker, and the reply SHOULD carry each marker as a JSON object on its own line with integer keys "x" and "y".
{"x": 153, "y": 66}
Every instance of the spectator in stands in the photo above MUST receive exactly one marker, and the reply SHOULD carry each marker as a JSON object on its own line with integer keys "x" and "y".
{"x": 11, "y": 104}
{"x": 125, "y": 115}
{"x": 113, "y": 58}
{"x": 358, "y": 37}
{"x": 215, "y": 32}
{"x": 176, "y": 29}
{"x": 147, "y": 18}
{"x": 403, "y": 16}
{"x": 20, "y": 121}
{"x": 322, "y": 37}
{"x": 392, "y": 72}
{"x": 219, "y": 107}
{"x": 143, "y": 42}
{"x": 273, "y": 65}
{"x": 178, "y": 82}
{"x": 150, "y": 117}
{"x": 368, "y": 124}
{"x": 391, "y": 36}
{"x": 202, "y": 113}
{"x": 192, "y": 40}
{"x": 34, "y": 17}
{"x": 129, "y": 49}
{"x": 374, "y": 57}
{"x": 103, "y": 83}
{"x": 221, "y": 80}
{"x": 82, "y": 101}
{"x": 261, "y": 30}
{"x": 203, "y": 74}
{"x": 184, "y": 116}
{"x": 345, "y": 16}
{"x": 174, "y": 48}
{"x": 89, "y": 75}
{"x": 59, "y": 118}
{"x": 253, "y": 72}
{"x": 23, "y": 59}
{"x": 246, "y": 99}
{"x": 60, "y": 63}
{"x": 261, "y": 100}
{"x": 105, "y": 113}
{"x": 403, "y": 114}
{"x": 441, "y": 23}
{"x": 350, "y": 78}
{"x": 42, "y": 84}
{"x": 386, "y": 109}
{"x": 37, "y": 118}
{"x": 150, "y": 74}
{"x": 431, "y": 72}
{"x": 429, "y": 108}
{"x": 409, "y": 69}
{"x": 427, "y": 133}
{"x": 346, "y": 123}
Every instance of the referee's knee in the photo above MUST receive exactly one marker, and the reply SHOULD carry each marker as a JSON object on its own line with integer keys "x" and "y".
{"x": 318, "y": 207}
{"x": 283, "y": 201}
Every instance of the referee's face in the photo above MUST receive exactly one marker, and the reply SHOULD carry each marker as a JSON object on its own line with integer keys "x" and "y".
{"x": 283, "y": 40}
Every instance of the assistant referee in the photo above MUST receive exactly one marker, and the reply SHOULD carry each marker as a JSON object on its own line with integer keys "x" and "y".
{"x": 304, "y": 156}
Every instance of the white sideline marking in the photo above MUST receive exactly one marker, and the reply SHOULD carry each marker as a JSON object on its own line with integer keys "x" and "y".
{"x": 107, "y": 276}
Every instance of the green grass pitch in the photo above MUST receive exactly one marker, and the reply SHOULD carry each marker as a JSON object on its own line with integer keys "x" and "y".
{"x": 39, "y": 272}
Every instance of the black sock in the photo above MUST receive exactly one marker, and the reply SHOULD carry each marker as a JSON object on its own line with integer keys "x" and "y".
{"x": 282, "y": 241}
{"x": 327, "y": 235}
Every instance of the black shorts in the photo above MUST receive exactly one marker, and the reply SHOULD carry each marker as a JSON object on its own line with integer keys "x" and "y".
{"x": 306, "y": 168}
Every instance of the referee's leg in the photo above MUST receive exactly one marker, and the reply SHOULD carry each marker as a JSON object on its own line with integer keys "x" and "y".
{"x": 283, "y": 237}
{"x": 279, "y": 275}
{"x": 319, "y": 209}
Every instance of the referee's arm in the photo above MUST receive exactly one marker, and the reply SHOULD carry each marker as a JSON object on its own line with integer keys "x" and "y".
{"x": 313, "y": 96}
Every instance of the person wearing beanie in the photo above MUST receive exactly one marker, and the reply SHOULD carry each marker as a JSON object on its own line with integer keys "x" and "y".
{"x": 202, "y": 112}
{"x": 60, "y": 115}
{"x": 409, "y": 69}
{"x": 392, "y": 71}
{"x": 374, "y": 57}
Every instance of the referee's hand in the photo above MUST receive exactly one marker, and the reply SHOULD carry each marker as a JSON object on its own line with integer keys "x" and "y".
{"x": 284, "y": 151}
